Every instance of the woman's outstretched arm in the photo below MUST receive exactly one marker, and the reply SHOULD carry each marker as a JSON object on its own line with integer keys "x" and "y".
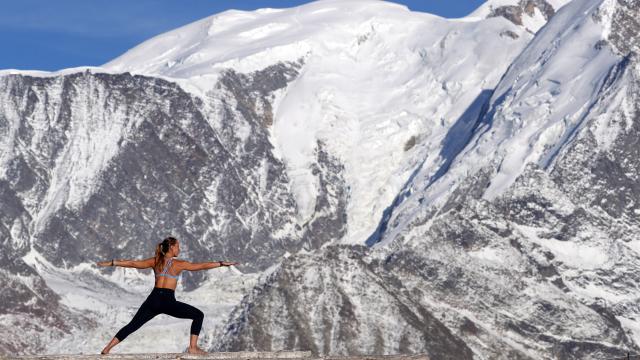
{"x": 138, "y": 264}
{"x": 186, "y": 265}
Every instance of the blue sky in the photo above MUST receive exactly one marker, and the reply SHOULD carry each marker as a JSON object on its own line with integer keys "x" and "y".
{"x": 56, "y": 34}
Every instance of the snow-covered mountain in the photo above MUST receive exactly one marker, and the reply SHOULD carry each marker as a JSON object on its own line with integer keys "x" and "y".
{"x": 461, "y": 187}
{"x": 524, "y": 243}
{"x": 428, "y": 72}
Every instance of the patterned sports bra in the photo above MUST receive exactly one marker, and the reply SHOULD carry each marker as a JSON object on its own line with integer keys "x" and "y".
{"x": 165, "y": 272}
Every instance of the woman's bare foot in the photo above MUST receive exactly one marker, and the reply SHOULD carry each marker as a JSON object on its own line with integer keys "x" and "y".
{"x": 111, "y": 344}
{"x": 196, "y": 350}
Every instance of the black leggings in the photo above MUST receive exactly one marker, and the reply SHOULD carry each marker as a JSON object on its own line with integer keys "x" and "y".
{"x": 162, "y": 301}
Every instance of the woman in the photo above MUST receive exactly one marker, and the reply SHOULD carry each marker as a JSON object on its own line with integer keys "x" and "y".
{"x": 162, "y": 298}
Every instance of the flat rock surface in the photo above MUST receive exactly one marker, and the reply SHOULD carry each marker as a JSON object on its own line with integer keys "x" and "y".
{"x": 219, "y": 355}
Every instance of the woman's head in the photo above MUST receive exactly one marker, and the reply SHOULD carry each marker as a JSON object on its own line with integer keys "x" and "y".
{"x": 169, "y": 247}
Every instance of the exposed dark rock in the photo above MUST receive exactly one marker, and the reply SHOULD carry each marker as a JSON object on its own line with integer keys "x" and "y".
{"x": 510, "y": 12}
{"x": 331, "y": 303}
{"x": 410, "y": 143}
{"x": 329, "y": 218}
{"x": 510, "y": 34}
{"x": 514, "y": 13}
{"x": 625, "y": 27}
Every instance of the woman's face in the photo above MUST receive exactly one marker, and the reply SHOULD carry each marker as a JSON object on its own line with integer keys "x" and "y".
{"x": 176, "y": 248}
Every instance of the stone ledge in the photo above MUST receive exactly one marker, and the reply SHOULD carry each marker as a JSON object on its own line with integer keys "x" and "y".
{"x": 242, "y": 355}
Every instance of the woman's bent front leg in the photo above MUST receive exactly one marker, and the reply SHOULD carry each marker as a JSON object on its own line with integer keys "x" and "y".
{"x": 185, "y": 311}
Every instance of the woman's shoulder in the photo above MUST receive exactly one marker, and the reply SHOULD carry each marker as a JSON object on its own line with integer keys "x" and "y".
{"x": 178, "y": 261}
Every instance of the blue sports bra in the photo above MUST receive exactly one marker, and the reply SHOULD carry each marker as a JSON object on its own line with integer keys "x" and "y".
{"x": 165, "y": 272}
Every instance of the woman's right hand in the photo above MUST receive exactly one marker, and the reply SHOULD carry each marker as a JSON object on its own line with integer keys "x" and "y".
{"x": 228, "y": 263}
{"x": 104, "y": 263}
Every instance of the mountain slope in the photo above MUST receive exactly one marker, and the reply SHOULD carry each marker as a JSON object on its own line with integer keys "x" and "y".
{"x": 524, "y": 244}
{"x": 217, "y": 187}
{"x": 430, "y": 74}
{"x": 538, "y": 106}
{"x": 332, "y": 303}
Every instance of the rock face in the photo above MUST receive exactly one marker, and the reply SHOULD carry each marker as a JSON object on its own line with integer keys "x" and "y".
{"x": 624, "y": 35}
{"x": 528, "y": 14}
{"x": 334, "y": 302}
{"x": 514, "y": 13}
{"x": 171, "y": 163}
{"x": 106, "y": 165}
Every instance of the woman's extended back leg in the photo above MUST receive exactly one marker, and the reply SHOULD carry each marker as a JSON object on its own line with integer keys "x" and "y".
{"x": 144, "y": 314}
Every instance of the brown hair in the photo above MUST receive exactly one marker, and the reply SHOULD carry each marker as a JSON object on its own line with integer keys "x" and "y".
{"x": 161, "y": 250}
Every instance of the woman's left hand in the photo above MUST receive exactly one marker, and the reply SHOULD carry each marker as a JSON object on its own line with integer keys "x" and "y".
{"x": 104, "y": 263}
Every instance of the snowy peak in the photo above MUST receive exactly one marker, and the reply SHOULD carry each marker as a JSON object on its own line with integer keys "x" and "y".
{"x": 251, "y": 40}
{"x": 530, "y": 14}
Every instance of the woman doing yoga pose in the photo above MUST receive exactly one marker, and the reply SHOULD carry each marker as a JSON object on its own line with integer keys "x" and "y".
{"x": 162, "y": 298}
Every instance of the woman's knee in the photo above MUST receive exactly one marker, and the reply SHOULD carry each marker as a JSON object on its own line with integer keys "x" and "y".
{"x": 196, "y": 325}
{"x": 199, "y": 315}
